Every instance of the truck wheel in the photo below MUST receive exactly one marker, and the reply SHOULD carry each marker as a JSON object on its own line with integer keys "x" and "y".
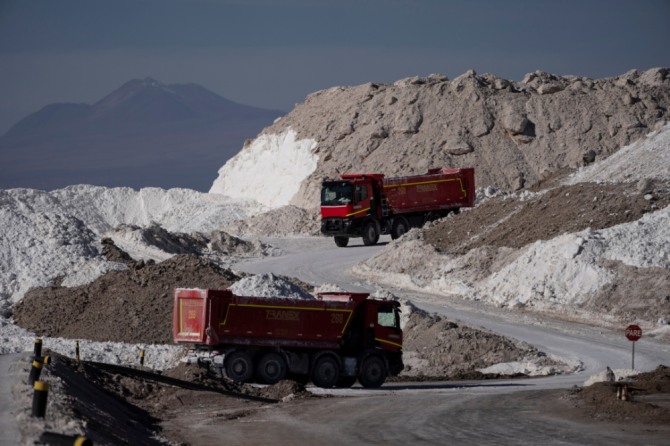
{"x": 370, "y": 234}
{"x": 271, "y": 368}
{"x": 326, "y": 372}
{"x": 341, "y": 241}
{"x": 239, "y": 367}
{"x": 373, "y": 372}
{"x": 400, "y": 227}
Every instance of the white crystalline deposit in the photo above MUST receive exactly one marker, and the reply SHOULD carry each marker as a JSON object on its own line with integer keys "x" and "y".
{"x": 46, "y": 235}
{"x": 644, "y": 243}
{"x": 14, "y": 339}
{"x": 559, "y": 271}
{"x": 565, "y": 270}
{"x": 39, "y": 242}
{"x": 177, "y": 210}
{"x": 645, "y": 158}
{"x": 269, "y": 170}
{"x": 268, "y": 285}
{"x": 534, "y": 367}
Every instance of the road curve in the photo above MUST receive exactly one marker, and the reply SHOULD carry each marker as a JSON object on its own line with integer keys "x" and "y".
{"x": 316, "y": 260}
{"x": 530, "y": 411}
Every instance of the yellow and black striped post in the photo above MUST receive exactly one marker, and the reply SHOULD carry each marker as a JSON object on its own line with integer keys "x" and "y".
{"x": 37, "y": 350}
{"x": 55, "y": 439}
{"x": 76, "y": 351}
{"x": 35, "y": 371}
{"x": 40, "y": 394}
{"x": 142, "y": 357}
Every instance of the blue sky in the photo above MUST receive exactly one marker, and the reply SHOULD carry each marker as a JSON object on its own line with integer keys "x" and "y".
{"x": 272, "y": 54}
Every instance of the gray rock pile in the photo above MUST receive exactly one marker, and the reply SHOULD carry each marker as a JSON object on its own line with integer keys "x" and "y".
{"x": 515, "y": 133}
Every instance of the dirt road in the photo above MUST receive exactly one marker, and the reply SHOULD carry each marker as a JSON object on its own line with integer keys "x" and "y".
{"x": 438, "y": 413}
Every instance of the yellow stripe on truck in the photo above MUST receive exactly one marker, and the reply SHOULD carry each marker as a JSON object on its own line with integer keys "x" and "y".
{"x": 460, "y": 181}
{"x": 357, "y": 212}
{"x": 288, "y": 307}
{"x": 384, "y": 341}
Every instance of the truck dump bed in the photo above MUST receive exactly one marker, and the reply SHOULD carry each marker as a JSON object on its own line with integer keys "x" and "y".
{"x": 438, "y": 189}
{"x": 214, "y": 317}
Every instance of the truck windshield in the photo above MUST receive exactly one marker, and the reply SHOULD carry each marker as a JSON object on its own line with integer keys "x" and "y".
{"x": 388, "y": 317}
{"x": 336, "y": 193}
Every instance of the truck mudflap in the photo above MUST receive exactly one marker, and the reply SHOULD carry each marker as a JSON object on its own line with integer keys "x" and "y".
{"x": 394, "y": 362}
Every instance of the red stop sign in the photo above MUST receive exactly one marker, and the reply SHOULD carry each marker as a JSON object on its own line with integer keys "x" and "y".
{"x": 633, "y": 332}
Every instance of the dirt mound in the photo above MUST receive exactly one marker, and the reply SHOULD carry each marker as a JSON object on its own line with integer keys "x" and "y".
{"x": 514, "y": 133}
{"x": 156, "y": 236}
{"x": 513, "y": 223}
{"x": 284, "y": 390}
{"x": 485, "y": 234}
{"x": 156, "y": 243}
{"x": 133, "y": 306}
{"x": 284, "y": 221}
{"x": 437, "y": 348}
{"x": 115, "y": 254}
{"x": 649, "y": 401}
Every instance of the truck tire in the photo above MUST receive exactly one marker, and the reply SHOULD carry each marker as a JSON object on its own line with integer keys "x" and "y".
{"x": 240, "y": 367}
{"x": 341, "y": 241}
{"x": 373, "y": 372}
{"x": 326, "y": 372}
{"x": 370, "y": 234}
{"x": 400, "y": 227}
{"x": 271, "y": 368}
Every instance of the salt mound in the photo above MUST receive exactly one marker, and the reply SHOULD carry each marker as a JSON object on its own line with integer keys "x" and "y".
{"x": 50, "y": 235}
{"x": 517, "y": 133}
{"x": 646, "y": 158}
{"x": 280, "y": 222}
{"x": 269, "y": 285}
{"x": 269, "y": 170}
{"x": 619, "y": 375}
{"x": 158, "y": 244}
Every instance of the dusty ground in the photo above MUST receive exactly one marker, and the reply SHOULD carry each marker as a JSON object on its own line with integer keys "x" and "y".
{"x": 649, "y": 402}
{"x": 118, "y": 409}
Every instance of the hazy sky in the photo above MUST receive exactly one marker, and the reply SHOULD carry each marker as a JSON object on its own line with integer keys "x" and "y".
{"x": 272, "y": 54}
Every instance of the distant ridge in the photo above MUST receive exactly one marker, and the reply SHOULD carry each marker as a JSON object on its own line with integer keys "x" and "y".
{"x": 143, "y": 134}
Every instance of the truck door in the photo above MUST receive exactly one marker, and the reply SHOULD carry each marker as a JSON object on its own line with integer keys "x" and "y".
{"x": 388, "y": 334}
{"x": 362, "y": 202}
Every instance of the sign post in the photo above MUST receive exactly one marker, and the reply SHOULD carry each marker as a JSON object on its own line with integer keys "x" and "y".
{"x": 633, "y": 333}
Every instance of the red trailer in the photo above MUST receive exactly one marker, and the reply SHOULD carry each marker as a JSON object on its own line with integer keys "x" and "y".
{"x": 332, "y": 340}
{"x": 367, "y": 205}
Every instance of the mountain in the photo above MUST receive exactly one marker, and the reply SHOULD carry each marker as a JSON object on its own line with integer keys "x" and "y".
{"x": 143, "y": 134}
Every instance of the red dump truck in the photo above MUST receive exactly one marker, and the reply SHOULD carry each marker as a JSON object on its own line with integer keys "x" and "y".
{"x": 333, "y": 340}
{"x": 367, "y": 205}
